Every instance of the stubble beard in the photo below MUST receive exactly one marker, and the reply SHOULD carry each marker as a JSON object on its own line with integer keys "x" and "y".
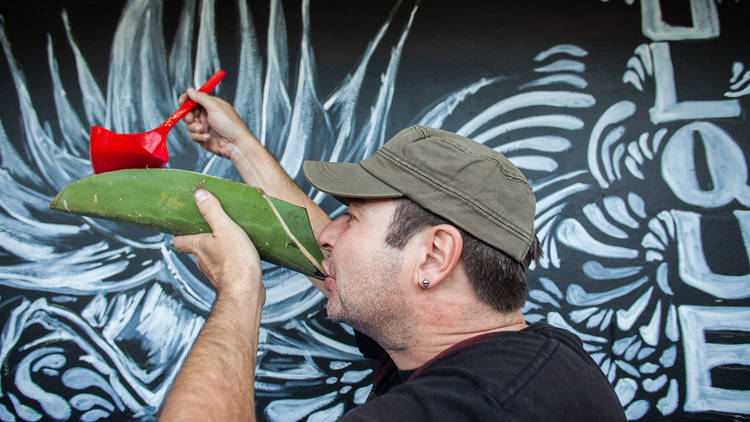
{"x": 372, "y": 303}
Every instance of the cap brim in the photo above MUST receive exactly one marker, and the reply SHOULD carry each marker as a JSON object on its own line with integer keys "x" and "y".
{"x": 347, "y": 180}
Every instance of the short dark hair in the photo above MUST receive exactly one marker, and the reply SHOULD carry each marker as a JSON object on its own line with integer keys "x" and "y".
{"x": 496, "y": 278}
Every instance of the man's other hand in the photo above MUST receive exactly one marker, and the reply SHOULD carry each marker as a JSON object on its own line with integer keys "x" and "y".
{"x": 226, "y": 256}
{"x": 214, "y": 124}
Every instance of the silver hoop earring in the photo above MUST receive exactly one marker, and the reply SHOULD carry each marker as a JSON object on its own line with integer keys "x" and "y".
{"x": 425, "y": 283}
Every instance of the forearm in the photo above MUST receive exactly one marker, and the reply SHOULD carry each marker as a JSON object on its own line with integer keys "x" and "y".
{"x": 217, "y": 379}
{"x": 259, "y": 168}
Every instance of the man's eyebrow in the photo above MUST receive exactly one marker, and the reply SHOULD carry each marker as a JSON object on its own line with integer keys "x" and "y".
{"x": 357, "y": 207}
{"x": 355, "y": 204}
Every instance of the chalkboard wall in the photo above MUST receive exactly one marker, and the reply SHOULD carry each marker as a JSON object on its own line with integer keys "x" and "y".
{"x": 629, "y": 119}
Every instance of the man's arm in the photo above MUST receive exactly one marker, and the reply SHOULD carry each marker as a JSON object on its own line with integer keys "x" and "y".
{"x": 217, "y": 127}
{"x": 216, "y": 381}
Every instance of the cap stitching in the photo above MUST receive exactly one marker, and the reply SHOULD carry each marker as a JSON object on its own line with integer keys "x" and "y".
{"x": 517, "y": 231}
{"x": 424, "y": 130}
{"x": 427, "y": 134}
{"x": 325, "y": 167}
{"x": 497, "y": 162}
{"x": 331, "y": 175}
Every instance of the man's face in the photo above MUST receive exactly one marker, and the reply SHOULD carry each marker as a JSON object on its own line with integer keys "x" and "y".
{"x": 366, "y": 275}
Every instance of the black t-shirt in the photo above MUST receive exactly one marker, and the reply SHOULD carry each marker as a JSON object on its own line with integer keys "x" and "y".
{"x": 540, "y": 373}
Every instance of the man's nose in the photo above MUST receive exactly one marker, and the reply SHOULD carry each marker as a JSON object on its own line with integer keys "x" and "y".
{"x": 331, "y": 232}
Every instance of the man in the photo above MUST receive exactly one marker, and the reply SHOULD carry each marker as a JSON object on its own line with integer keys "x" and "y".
{"x": 427, "y": 265}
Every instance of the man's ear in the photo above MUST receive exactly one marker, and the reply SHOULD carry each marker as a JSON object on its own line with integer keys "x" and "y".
{"x": 440, "y": 254}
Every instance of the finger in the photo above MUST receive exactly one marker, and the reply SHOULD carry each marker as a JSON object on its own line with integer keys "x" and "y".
{"x": 189, "y": 117}
{"x": 181, "y": 99}
{"x": 187, "y": 243}
{"x": 196, "y": 126}
{"x": 211, "y": 210}
{"x": 206, "y": 101}
{"x": 195, "y": 119}
{"x": 200, "y": 137}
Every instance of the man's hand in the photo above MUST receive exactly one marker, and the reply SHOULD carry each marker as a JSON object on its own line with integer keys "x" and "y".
{"x": 214, "y": 124}
{"x": 226, "y": 256}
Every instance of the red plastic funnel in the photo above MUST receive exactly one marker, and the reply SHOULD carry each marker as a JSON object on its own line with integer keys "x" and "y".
{"x": 111, "y": 151}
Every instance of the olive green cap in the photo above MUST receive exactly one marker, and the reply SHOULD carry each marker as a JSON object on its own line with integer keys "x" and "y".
{"x": 472, "y": 186}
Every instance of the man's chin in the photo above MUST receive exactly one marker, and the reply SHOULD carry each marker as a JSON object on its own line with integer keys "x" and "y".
{"x": 338, "y": 316}
{"x": 333, "y": 313}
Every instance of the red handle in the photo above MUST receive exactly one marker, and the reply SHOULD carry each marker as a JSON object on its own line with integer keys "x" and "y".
{"x": 189, "y": 104}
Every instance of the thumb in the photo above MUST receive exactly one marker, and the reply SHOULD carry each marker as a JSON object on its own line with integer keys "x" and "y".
{"x": 211, "y": 210}
{"x": 205, "y": 100}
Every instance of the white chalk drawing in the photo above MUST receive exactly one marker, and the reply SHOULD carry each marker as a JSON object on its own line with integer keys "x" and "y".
{"x": 667, "y": 108}
{"x": 701, "y": 355}
{"x": 704, "y": 15}
{"x": 98, "y": 316}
